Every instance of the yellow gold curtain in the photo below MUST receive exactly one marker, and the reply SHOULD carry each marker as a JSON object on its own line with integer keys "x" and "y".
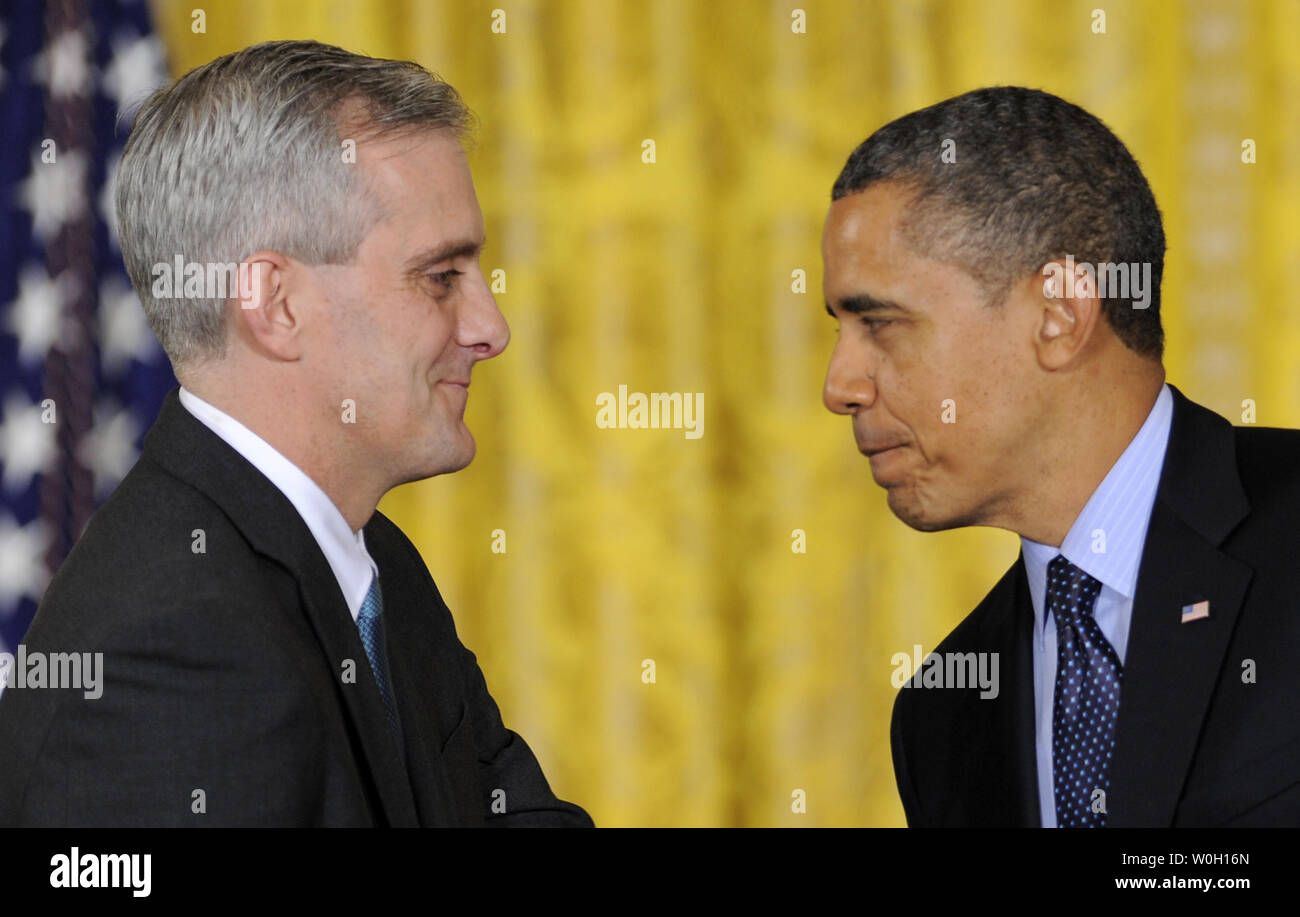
{"x": 771, "y": 667}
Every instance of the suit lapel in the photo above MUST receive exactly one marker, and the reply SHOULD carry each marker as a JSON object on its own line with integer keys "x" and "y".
{"x": 1171, "y": 667}
{"x": 341, "y": 640}
{"x": 1022, "y": 734}
{"x": 1012, "y": 792}
{"x": 271, "y": 525}
{"x": 992, "y": 780}
{"x": 413, "y": 666}
{"x": 433, "y": 797}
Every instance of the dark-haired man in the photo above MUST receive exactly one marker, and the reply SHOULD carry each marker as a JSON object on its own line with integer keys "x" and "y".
{"x": 1148, "y": 631}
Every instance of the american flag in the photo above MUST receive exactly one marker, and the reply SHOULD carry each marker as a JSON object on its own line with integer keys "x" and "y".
{"x": 81, "y": 374}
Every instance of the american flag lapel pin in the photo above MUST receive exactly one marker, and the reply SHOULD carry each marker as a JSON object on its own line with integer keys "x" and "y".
{"x": 1196, "y": 611}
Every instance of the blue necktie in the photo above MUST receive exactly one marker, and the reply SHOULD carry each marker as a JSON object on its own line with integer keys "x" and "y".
{"x": 1088, "y": 680}
{"x": 372, "y": 638}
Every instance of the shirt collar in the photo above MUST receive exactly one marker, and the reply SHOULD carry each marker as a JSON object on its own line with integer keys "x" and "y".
{"x": 344, "y": 549}
{"x": 1107, "y": 537}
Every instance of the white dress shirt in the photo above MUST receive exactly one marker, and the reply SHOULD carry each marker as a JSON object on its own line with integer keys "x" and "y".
{"x": 1106, "y": 542}
{"x": 343, "y": 548}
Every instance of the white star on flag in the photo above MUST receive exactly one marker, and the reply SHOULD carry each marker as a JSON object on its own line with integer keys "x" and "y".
{"x": 22, "y": 561}
{"x": 27, "y": 443}
{"x": 136, "y": 70}
{"x": 109, "y": 449}
{"x": 124, "y": 333}
{"x": 55, "y": 192}
{"x": 36, "y": 316}
{"x": 65, "y": 65}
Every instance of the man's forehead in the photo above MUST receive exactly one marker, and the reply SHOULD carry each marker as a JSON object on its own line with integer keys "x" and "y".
{"x": 873, "y": 216}
{"x": 868, "y": 262}
{"x": 860, "y": 255}
{"x": 423, "y": 188}
{"x": 425, "y": 163}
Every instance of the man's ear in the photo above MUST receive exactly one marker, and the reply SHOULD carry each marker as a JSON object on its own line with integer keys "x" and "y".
{"x": 1067, "y": 311}
{"x": 266, "y": 317}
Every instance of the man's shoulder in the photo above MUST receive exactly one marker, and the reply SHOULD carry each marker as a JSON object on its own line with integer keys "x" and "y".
{"x": 157, "y": 547}
{"x": 1268, "y": 468}
{"x": 1268, "y": 456}
{"x": 1264, "y": 457}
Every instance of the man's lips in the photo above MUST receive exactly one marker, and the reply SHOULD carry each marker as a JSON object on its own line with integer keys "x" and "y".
{"x": 462, "y": 385}
{"x": 870, "y": 449}
{"x": 886, "y": 461}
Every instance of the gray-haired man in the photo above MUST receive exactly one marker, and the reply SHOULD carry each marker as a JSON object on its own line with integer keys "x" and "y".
{"x": 275, "y": 651}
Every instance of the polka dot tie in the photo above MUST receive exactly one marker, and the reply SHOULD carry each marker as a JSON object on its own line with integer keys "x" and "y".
{"x": 1088, "y": 678}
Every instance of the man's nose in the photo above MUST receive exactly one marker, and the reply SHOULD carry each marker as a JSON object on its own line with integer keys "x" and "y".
{"x": 849, "y": 385}
{"x": 480, "y": 324}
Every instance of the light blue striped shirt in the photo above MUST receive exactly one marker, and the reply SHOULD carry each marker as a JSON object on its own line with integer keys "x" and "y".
{"x": 1106, "y": 542}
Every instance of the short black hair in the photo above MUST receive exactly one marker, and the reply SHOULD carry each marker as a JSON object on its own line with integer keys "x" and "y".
{"x": 1035, "y": 178}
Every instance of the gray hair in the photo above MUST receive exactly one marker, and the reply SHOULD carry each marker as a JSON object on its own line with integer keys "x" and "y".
{"x": 246, "y": 153}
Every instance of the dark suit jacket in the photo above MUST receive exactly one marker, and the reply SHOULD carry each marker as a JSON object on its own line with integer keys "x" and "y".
{"x": 1197, "y": 742}
{"x": 223, "y": 672}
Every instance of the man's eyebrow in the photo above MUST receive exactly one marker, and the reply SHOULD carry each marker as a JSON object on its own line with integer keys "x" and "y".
{"x": 862, "y": 304}
{"x": 455, "y": 248}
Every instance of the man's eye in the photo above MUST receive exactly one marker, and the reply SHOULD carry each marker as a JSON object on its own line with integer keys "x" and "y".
{"x": 446, "y": 278}
{"x": 875, "y": 324}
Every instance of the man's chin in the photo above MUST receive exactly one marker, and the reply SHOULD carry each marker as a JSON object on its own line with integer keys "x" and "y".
{"x": 909, "y": 510}
{"x": 459, "y": 458}
{"x": 449, "y": 460}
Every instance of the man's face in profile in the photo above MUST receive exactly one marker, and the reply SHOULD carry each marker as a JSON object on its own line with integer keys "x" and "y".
{"x": 918, "y": 344}
{"x": 409, "y": 318}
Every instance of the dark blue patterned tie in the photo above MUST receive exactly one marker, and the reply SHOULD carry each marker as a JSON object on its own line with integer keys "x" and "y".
{"x": 372, "y": 638}
{"x": 1088, "y": 680}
